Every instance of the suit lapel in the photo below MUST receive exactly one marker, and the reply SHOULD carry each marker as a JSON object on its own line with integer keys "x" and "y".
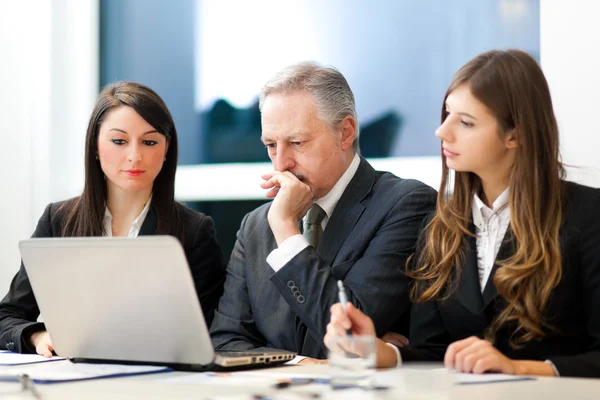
{"x": 469, "y": 291}
{"x": 347, "y": 211}
{"x": 150, "y": 223}
{"x": 506, "y": 250}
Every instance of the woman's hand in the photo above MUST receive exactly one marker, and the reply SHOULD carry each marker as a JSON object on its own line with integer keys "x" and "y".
{"x": 42, "y": 343}
{"x": 478, "y": 356}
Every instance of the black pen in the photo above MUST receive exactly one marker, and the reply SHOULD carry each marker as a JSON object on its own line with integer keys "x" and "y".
{"x": 343, "y": 301}
{"x": 296, "y": 382}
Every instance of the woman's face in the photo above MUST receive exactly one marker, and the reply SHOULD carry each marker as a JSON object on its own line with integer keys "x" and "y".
{"x": 131, "y": 152}
{"x": 472, "y": 140}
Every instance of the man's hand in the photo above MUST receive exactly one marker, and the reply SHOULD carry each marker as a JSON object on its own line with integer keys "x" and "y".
{"x": 42, "y": 343}
{"x": 292, "y": 197}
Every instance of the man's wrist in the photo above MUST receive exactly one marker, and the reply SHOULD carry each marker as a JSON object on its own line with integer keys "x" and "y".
{"x": 283, "y": 230}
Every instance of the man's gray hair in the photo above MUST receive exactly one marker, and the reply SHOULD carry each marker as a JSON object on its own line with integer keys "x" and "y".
{"x": 329, "y": 88}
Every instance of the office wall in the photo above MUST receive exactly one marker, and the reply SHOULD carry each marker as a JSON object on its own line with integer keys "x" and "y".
{"x": 147, "y": 50}
{"x": 49, "y": 81}
{"x": 570, "y": 57}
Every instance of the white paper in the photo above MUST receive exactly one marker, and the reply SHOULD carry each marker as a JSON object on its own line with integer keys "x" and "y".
{"x": 11, "y": 358}
{"x": 75, "y": 371}
{"x": 463, "y": 379}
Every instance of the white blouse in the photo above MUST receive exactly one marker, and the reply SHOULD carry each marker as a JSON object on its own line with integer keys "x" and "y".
{"x": 490, "y": 226}
{"x": 136, "y": 225}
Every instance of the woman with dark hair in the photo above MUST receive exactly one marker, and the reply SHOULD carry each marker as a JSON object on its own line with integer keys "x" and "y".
{"x": 130, "y": 163}
{"x": 506, "y": 276}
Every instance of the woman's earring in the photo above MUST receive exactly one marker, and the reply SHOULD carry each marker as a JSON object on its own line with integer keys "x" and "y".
{"x": 97, "y": 158}
{"x": 165, "y": 159}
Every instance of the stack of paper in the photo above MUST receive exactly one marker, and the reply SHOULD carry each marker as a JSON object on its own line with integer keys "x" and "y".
{"x": 11, "y": 358}
{"x": 67, "y": 371}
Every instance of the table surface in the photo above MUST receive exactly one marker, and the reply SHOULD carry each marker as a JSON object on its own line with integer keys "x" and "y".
{"x": 155, "y": 386}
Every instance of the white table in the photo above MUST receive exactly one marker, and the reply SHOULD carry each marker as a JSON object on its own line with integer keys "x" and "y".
{"x": 154, "y": 387}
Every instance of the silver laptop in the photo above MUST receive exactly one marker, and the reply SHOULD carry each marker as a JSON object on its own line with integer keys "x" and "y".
{"x": 126, "y": 301}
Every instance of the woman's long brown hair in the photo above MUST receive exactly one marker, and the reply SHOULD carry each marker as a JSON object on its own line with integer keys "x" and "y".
{"x": 513, "y": 87}
{"x": 84, "y": 214}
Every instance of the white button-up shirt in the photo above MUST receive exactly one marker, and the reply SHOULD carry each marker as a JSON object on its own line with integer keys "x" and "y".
{"x": 290, "y": 247}
{"x": 490, "y": 228}
{"x": 136, "y": 225}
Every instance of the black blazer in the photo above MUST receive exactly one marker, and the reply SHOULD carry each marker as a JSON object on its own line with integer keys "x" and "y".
{"x": 574, "y": 306}
{"x": 19, "y": 310}
{"x": 370, "y": 234}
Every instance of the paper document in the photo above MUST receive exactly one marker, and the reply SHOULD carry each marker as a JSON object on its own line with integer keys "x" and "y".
{"x": 11, "y": 358}
{"x": 468, "y": 379}
{"x": 67, "y": 371}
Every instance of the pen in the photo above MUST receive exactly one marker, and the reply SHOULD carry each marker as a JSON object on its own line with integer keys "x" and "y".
{"x": 343, "y": 300}
{"x": 298, "y": 382}
{"x": 28, "y": 385}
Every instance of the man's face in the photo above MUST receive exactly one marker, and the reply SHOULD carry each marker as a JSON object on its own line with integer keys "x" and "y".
{"x": 299, "y": 142}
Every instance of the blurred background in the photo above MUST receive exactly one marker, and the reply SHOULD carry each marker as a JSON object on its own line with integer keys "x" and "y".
{"x": 208, "y": 59}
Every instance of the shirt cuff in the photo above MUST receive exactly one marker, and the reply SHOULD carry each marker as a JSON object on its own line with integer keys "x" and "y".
{"x": 553, "y": 367}
{"x": 295, "y": 360}
{"x": 398, "y": 356}
{"x": 288, "y": 249}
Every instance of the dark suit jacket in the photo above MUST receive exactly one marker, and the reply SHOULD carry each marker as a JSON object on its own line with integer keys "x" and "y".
{"x": 575, "y": 347}
{"x": 19, "y": 310}
{"x": 370, "y": 235}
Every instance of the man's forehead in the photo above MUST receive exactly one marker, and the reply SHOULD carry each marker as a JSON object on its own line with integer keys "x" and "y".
{"x": 288, "y": 136}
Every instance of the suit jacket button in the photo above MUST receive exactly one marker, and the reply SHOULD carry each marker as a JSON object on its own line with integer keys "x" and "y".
{"x": 300, "y": 299}
{"x": 297, "y": 293}
{"x": 10, "y": 346}
{"x": 294, "y": 289}
{"x": 291, "y": 284}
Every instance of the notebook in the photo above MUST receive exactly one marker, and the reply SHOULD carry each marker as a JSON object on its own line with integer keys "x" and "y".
{"x": 128, "y": 301}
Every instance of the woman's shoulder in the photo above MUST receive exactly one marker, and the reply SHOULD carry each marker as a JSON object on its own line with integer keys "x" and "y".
{"x": 578, "y": 193}
{"x": 58, "y": 210}
{"x": 52, "y": 219}
{"x": 581, "y": 201}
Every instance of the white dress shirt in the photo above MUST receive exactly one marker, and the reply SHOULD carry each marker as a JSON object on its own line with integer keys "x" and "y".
{"x": 136, "y": 225}
{"x": 293, "y": 245}
{"x": 490, "y": 228}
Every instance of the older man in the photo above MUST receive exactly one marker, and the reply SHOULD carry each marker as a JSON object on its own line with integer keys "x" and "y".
{"x": 333, "y": 217}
